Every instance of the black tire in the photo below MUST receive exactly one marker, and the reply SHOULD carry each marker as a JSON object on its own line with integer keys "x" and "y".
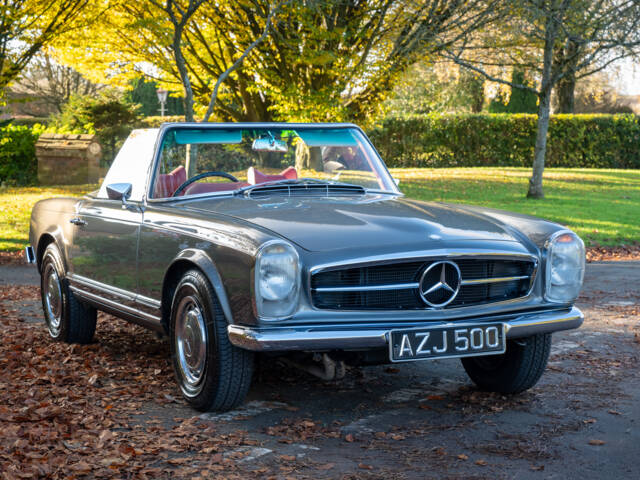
{"x": 68, "y": 320}
{"x": 213, "y": 375}
{"x": 516, "y": 370}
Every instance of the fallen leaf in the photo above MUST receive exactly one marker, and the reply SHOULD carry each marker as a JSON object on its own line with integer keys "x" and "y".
{"x": 537, "y": 468}
{"x": 287, "y": 458}
{"x": 595, "y": 441}
{"x": 364, "y": 466}
{"x": 462, "y": 456}
{"x": 482, "y": 462}
{"x": 326, "y": 466}
{"x": 349, "y": 438}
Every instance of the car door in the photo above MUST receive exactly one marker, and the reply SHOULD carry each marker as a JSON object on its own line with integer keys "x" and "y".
{"x": 104, "y": 250}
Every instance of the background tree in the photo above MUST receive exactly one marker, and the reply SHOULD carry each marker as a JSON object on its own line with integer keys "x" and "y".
{"x": 336, "y": 59}
{"x": 144, "y": 93}
{"x": 108, "y": 115}
{"x": 26, "y": 26}
{"x": 520, "y": 100}
{"x": 46, "y": 80}
{"x": 531, "y": 35}
{"x": 436, "y": 87}
{"x": 180, "y": 14}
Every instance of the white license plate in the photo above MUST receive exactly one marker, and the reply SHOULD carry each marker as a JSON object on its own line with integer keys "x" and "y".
{"x": 447, "y": 342}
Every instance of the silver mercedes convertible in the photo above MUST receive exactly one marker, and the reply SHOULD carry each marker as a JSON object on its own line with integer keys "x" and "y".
{"x": 294, "y": 239}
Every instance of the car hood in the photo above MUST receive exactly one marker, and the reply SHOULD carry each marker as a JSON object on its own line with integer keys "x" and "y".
{"x": 371, "y": 221}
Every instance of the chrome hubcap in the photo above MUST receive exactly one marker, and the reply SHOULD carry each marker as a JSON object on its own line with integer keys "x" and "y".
{"x": 191, "y": 343}
{"x": 52, "y": 298}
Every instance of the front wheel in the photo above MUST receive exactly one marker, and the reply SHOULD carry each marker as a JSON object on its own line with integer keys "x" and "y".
{"x": 516, "y": 370}
{"x": 212, "y": 373}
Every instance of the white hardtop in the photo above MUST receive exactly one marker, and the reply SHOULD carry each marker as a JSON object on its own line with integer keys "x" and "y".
{"x": 133, "y": 163}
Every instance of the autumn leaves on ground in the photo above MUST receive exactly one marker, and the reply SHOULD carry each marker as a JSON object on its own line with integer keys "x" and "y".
{"x": 71, "y": 410}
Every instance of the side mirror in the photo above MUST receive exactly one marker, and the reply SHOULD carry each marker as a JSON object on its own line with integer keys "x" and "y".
{"x": 119, "y": 191}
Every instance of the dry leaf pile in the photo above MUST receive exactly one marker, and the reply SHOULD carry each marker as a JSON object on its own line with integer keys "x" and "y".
{"x": 67, "y": 411}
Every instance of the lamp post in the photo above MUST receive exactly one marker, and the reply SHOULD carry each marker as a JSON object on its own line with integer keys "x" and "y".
{"x": 162, "y": 98}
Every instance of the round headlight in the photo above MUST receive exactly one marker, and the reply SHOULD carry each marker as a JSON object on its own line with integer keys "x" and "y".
{"x": 277, "y": 280}
{"x": 564, "y": 268}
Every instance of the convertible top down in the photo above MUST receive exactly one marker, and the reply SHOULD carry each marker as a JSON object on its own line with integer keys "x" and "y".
{"x": 294, "y": 239}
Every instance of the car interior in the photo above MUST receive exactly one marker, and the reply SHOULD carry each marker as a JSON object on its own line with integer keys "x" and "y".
{"x": 201, "y": 161}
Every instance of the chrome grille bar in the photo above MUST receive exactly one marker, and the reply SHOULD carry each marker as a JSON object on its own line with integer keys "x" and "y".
{"x": 477, "y": 281}
{"x": 368, "y": 288}
{"x": 409, "y": 286}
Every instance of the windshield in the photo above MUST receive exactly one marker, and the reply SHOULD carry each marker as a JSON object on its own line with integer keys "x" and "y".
{"x": 213, "y": 161}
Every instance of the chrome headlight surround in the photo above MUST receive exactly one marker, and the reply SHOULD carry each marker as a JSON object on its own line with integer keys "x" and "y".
{"x": 564, "y": 269}
{"x": 276, "y": 280}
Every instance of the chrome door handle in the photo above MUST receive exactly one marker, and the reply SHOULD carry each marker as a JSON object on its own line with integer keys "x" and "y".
{"x": 77, "y": 221}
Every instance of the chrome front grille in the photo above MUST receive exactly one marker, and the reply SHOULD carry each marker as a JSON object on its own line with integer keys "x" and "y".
{"x": 395, "y": 286}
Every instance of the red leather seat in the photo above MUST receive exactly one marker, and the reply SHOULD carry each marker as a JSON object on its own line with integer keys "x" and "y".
{"x": 197, "y": 188}
{"x": 167, "y": 184}
{"x": 256, "y": 176}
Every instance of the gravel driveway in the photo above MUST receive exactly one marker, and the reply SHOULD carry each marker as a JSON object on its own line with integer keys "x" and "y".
{"x": 420, "y": 420}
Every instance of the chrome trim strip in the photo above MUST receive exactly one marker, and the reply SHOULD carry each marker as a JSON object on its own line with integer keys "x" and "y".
{"x": 150, "y": 321}
{"x": 337, "y": 337}
{"x": 425, "y": 255}
{"x": 148, "y": 302}
{"x": 108, "y": 289}
{"x": 477, "y": 281}
{"x": 368, "y": 288}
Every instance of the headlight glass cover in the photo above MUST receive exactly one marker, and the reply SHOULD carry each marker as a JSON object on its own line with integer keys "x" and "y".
{"x": 277, "y": 280}
{"x": 564, "y": 268}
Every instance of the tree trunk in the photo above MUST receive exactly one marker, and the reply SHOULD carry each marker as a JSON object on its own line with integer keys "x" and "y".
{"x": 544, "y": 107}
{"x": 184, "y": 76}
{"x": 565, "y": 90}
{"x": 539, "y": 154}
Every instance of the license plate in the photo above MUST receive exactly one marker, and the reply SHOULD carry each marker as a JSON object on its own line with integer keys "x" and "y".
{"x": 447, "y": 342}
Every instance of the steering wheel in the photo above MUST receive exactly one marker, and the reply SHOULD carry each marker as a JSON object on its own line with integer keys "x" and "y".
{"x": 203, "y": 175}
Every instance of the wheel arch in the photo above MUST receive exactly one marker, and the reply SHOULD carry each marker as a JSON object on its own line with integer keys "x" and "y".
{"x": 46, "y": 239}
{"x": 184, "y": 261}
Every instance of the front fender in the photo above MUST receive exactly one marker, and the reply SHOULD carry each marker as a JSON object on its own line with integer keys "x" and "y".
{"x": 206, "y": 264}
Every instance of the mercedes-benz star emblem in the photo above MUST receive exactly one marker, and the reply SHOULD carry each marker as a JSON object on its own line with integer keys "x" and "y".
{"x": 440, "y": 283}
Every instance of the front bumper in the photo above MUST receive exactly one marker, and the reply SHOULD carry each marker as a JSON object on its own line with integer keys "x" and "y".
{"x": 357, "y": 337}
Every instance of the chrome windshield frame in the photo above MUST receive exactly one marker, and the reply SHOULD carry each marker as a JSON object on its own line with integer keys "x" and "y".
{"x": 167, "y": 127}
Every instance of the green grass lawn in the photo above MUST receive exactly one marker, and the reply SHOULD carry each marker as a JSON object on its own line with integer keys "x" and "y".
{"x": 602, "y": 206}
{"x": 15, "y": 210}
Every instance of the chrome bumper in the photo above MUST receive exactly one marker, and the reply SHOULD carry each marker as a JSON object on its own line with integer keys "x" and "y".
{"x": 29, "y": 254}
{"x": 341, "y": 337}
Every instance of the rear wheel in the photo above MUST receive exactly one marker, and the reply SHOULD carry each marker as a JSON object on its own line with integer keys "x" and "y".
{"x": 68, "y": 319}
{"x": 516, "y": 370}
{"x": 212, "y": 373}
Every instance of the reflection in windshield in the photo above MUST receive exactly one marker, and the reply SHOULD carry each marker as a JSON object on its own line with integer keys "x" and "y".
{"x": 217, "y": 161}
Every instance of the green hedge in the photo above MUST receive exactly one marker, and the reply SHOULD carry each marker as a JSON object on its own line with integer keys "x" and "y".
{"x": 18, "y": 165}
{"x": 436, "y": 140}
